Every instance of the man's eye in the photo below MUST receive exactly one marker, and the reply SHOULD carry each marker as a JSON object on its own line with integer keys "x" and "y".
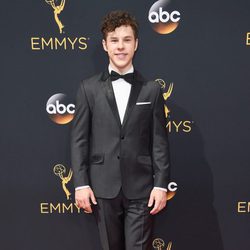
{"x": 113, "y": 41}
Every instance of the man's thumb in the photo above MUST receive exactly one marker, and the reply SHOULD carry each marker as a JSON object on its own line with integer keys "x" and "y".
{"x": 92, "y": 197}
{"x": 151, "y": 200}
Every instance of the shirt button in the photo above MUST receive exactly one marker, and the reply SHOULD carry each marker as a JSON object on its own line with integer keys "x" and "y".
{"x": 122, "y": 137}
{"x": 118, "y": 157}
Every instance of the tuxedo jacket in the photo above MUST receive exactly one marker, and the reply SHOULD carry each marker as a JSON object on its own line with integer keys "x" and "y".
{"x": 108, "y": 155}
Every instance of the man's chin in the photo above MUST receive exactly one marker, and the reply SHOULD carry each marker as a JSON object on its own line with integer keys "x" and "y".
{"x": 122, "y": 66}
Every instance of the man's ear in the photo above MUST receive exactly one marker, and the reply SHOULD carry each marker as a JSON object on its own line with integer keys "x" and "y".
{"x": 104, "y": 45}
{"x": 136, "y": 44}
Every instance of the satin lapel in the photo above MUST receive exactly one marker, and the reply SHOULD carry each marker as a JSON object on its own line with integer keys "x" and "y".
{"x": 135, "y": 90}
{"x": 108, "y": 90}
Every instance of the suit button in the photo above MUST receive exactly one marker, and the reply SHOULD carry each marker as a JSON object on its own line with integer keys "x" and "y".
{"x": 122, "y": 137}
{"x": 118, "y": 157}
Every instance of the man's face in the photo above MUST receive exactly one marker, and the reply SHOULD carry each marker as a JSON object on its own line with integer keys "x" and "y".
{"x": 121, "y": 46}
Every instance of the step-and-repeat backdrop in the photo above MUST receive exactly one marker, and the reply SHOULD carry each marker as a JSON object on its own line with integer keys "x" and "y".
{"x": 198, "y": 51}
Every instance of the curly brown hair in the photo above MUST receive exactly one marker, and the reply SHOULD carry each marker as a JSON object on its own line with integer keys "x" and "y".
{"x": 117, "y": 18}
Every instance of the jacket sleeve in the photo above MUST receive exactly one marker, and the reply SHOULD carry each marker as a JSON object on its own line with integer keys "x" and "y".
{"x": 160, "y": 145}
{"x": 80, "y": 133}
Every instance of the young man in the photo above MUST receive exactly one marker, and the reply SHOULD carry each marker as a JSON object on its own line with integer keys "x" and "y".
{"x": 119, "y": 146}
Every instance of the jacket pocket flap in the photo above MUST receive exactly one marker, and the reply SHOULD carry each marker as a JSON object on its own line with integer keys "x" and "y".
{"x": 144, "y": 159}
{"x": 97, "y": 159}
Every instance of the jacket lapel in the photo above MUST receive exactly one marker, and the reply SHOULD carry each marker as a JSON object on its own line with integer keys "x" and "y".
{"x": 109, "y": 92}
{"x": 135, "y": 90}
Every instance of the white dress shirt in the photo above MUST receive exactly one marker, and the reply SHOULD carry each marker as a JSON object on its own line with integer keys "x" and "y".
{"x": 121, "y": 91}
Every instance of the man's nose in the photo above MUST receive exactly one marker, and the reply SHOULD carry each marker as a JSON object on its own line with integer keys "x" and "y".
{"x": 120, "y": 45}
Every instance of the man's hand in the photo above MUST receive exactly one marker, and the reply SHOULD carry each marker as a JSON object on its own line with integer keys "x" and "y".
{"x": 159, "y": 198}
{"x": 83, "y": 199}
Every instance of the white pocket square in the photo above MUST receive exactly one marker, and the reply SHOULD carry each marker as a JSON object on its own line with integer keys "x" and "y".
{"x": 143, "y": 103}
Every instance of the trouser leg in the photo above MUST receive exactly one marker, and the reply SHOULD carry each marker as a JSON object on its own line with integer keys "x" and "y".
{"x": 124, "y": 224}
{"x": 138, "y": 225}
{"x": 109, "y": 215}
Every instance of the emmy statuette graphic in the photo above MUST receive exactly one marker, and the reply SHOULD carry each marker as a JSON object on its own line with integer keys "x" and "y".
{"x": 60, "y": 170}
{"x": 57, "y": 10}
{"x": 159, "y": 243}
{"x": 167, "y": 94}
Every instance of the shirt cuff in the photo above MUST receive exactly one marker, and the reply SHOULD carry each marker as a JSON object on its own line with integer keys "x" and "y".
{"x": 163, "y": 189}
{"x": 81, "y": 187}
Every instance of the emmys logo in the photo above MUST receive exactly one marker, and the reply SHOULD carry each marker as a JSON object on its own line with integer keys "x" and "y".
{"x": 159, "y": 244}
{"x": 38, "y": 43}
{"x": 172, "y": 125}
{"x": 248, "y": 38}
{"x": 57, "y": 10}
{"x": 59, "y": 170}
{"x": 164, "y": 17}
{"x": 59, "y": 108}
{"x": 65, "y": 207}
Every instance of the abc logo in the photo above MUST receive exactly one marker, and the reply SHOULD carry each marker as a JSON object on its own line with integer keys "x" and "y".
{"x": 60, "y": 110}
{"x": 164, "y": 17}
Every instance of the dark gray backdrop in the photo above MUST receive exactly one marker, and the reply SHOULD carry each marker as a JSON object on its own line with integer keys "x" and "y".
{"x": 206, "y": 58}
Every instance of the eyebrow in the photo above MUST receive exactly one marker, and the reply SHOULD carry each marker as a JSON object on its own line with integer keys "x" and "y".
{"x": 115, "y": 37}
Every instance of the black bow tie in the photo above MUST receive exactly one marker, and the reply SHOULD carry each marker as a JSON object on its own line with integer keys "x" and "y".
{"x": 127, "y": 77}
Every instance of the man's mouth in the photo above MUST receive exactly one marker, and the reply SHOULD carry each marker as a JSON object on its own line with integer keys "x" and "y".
{"x": 121, "y": 55}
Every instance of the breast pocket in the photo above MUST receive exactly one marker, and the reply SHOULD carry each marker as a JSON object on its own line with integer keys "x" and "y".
{"x": 143, "y": 110}
{"x": 143, "y": 105}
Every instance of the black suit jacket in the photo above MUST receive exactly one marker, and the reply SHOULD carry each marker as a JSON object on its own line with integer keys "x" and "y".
{"x": 108, "y": 155}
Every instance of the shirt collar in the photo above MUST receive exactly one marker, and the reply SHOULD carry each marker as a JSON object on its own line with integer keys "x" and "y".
{"x": 131, "y": 70}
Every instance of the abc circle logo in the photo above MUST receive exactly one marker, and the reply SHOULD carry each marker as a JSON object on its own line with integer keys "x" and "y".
{"x": 59, "y": 108}
{"x": 164, "y": 16}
